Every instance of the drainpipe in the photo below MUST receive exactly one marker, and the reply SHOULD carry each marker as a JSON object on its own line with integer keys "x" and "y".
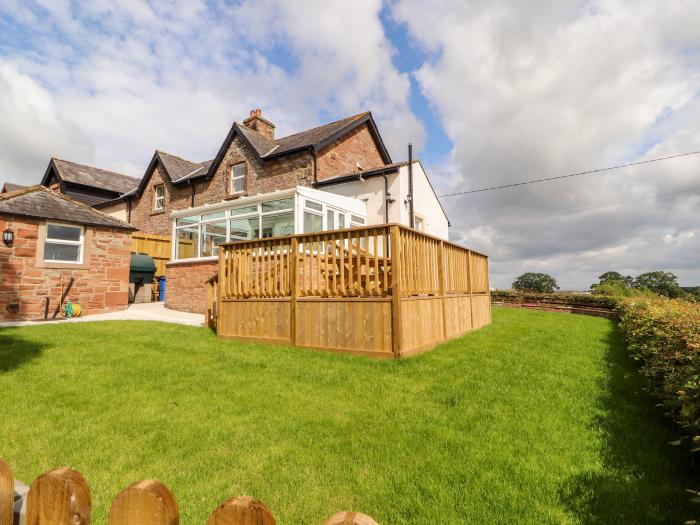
{"x": 189, "y": 181}
{"x": 411, "y": 215}
{"x": 313, "y": 152}
{"x": 128, "y": 211}
{"x": 387, "y": 198}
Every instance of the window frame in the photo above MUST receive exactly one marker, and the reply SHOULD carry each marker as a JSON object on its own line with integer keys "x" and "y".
{"x": 156, "y": 198}
{"x": 232, "y": 179}
{"x": 80, "y": 243}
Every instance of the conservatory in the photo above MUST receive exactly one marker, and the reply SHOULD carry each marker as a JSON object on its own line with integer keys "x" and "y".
{"x": 197, "y": 232}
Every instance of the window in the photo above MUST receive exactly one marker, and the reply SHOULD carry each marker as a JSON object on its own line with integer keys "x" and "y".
{"x": 213, "y": 234}
{"x": 186, "y": 239}
{"x": 419, "y": 223}
{"x": 313, "y": 216}
{"x": 159, "y": 203}
{"x": 64, "y": 243}
{"x": 238, "y": 178}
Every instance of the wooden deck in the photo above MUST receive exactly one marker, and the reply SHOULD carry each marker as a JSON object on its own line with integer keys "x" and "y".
{"x": 385, "y": 291}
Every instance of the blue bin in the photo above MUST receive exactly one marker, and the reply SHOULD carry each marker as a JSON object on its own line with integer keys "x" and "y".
{"x": 161, "y": 288}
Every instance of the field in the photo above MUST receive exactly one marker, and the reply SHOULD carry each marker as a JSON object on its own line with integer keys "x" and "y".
{"x": 538, "y": 418}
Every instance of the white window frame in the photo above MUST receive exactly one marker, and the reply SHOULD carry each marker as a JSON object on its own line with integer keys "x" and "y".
{"x": 232, "y": 179}
{"x": 80, "y": 243}
{"x": 157, "y": 198}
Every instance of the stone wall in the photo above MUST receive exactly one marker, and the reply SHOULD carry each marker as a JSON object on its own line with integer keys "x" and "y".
{"x": 185, "y": 285}
{"x": 357, "y": 148}
{"x": 101, "y": 285}
{"x": 261, "y": 177}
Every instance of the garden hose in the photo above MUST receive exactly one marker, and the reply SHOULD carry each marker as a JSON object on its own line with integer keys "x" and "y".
{"x": 72, "y": 309}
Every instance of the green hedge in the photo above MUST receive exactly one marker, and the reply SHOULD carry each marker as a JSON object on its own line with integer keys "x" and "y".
{"x": 664, "y": 334}
{"x": 582, "y": 300}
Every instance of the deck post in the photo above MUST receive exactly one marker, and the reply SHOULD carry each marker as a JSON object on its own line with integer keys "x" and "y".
{"x": 470, "y": 288}
{"x": 222, "y": 285}
{"x": 441, "y": 285}
{"x": 294, "y": 288}
{"x": 396, "y": 290}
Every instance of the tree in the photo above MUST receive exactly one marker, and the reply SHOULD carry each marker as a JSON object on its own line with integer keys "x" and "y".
{"x": 608, "y": 277}
{"x": 663, "y": 283}
{"x": 535, "y": 282}
{"x": 612, "y": 281}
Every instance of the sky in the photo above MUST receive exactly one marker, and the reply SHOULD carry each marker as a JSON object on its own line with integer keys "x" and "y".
{"x": 489, "y": 93}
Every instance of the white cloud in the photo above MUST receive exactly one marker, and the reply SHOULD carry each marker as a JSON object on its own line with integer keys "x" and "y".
{"x": 136, "y": 76}
{"x": 34, "y": 129}
{"x": 527, "y": 90}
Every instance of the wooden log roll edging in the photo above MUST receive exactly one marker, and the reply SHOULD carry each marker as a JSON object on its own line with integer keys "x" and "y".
{"x": 62, "y": 497}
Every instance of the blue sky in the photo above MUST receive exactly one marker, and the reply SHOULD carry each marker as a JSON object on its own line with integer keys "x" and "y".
{"x": 489, "y": 93}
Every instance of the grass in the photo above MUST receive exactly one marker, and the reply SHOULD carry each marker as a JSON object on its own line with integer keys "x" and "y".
{"x": 538, "y": 418}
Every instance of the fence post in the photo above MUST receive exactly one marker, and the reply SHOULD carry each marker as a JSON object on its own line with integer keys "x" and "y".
{"x": 396, "y": 343}
{"x": 7, "y": 489}
{"x": 222, "y": 285}
{"x": 441, "y": 286}
{"x": 350, "y": 518}
{"x": 241, "y": 510}
{"x": 470, "y": 288}
{"x": 294, "y": 288}
{"x": 147, "y": 502}
{"x": 59, "y": 497}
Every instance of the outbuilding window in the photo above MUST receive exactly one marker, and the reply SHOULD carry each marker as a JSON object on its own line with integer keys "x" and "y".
{"x": 159, "y": 202}
{"x": 64, "y": 243}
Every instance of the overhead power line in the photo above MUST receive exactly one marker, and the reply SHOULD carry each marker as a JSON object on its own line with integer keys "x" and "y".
{"x": 547, "y": 179}
{"x": 583, "y": 210}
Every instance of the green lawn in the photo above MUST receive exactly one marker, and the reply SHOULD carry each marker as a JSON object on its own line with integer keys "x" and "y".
{"x": 538, "y": 418}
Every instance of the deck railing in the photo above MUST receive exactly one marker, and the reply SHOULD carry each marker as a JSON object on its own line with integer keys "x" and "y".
{"x": 385, "y": 263}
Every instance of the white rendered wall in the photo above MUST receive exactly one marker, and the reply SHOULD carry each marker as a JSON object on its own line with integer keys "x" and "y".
{"x": 371, "y": 191}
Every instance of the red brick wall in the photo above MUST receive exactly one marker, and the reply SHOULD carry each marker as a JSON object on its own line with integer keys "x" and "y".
{"x": 343, "y": 155}
{"x": 185, "y": 285}
{"x": 102, "y": 287}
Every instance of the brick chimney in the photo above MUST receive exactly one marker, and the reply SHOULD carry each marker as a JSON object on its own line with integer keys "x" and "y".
{"x": 258, "y": 123}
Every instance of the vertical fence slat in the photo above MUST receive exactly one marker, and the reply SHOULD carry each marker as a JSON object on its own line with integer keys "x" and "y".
{"x": 147, "y": 502}
{"x": 242, "y": 510}
{"x": 349, "y": 518}
{"x": 59, "y": 497}
{"x": 6, "y": 494}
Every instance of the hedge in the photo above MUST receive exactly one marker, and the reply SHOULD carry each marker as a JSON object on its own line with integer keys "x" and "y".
{"x": 583, "y": 300}
{"x": 664, "y": 334}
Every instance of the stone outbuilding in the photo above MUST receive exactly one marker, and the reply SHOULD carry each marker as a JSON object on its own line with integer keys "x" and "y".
{"x": 56, "y": 249}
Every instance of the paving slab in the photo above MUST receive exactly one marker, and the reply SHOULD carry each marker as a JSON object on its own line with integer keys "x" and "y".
{"x": 155, "y": 311}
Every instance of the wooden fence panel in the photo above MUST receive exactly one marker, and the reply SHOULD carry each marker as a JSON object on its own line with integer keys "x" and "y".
{"x": 419, "y": 264}
{"x": 347, "y": 290}
{"x": 62, "y": 497}
{"x": 157, "y": 246}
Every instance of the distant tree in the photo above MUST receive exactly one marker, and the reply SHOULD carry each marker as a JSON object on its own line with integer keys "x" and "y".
{"x": 616, "y": 279}
{"x": 535, "y": 282}
{"x": 613, "y": 288}
{"x": 662, "y": 283}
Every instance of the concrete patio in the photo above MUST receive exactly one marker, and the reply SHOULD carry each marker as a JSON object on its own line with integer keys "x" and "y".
{"x": 135, "y": 312}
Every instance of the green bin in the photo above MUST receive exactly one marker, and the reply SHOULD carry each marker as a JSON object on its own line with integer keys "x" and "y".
{"x": 143, "y": 268}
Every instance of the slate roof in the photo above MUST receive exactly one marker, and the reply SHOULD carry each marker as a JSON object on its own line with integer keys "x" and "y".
{"x": 314, "y": 136}
{"x": 40, "y": 202}
{"x": 11, "y": 186}
{"x": 266, "y": 148}
{"x": 180, "y": 169}
{"x": 94, "y": 177}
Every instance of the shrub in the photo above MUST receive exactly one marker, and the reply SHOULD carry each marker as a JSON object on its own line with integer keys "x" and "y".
{"x": 664, "y": 334}
{"x": 567, "y": 299}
